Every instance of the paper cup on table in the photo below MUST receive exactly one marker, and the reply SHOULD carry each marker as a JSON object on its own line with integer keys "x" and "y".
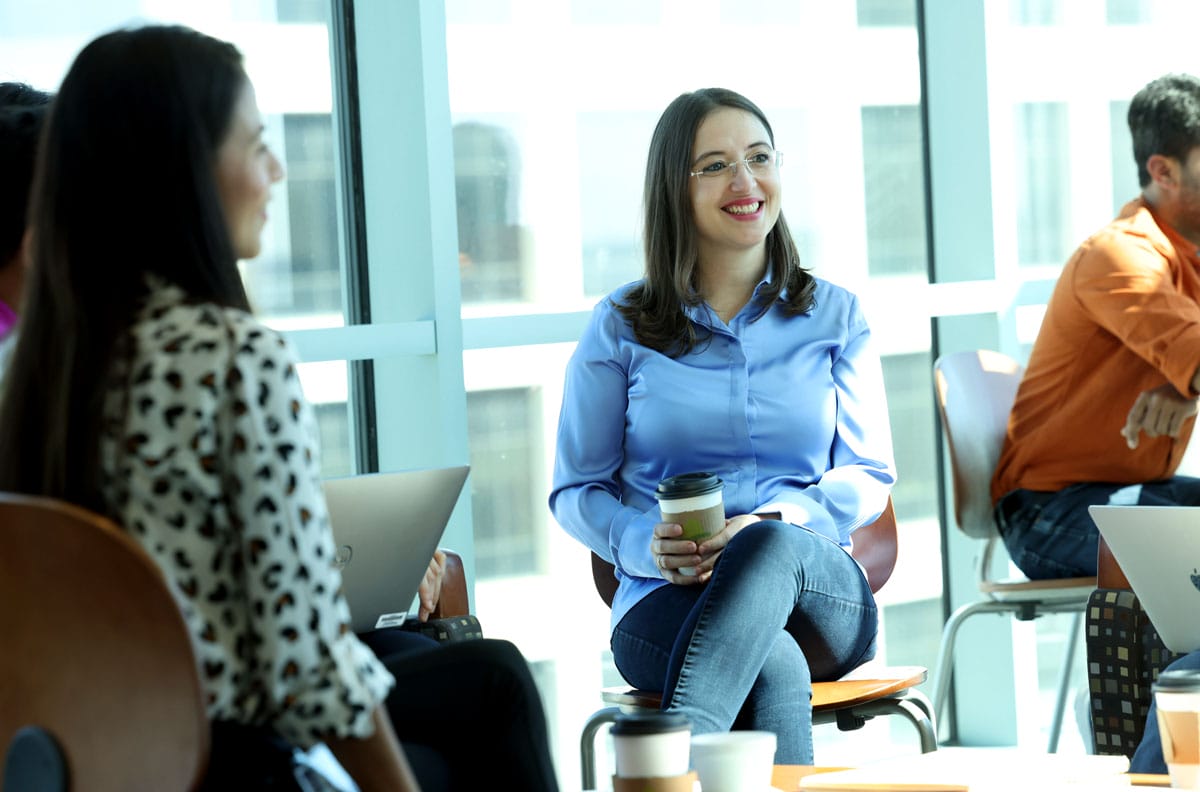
{"x": 1177, "y": 699}
{"x": 695, "y": 502}
{"x": 651, "y": 745}
{"x": 737, "y": 761}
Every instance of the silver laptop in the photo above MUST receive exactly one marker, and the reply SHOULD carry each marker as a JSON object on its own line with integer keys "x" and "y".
{"x": 1158, "y": 548}
{"x": 386, "y": 527}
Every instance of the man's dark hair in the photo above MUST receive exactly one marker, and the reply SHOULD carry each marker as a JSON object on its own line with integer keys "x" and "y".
{"x": 22, "y": 109}
{"x": 1164, "y": 118}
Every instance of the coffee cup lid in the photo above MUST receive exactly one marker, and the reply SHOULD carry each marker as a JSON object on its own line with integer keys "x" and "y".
{"x": 1176, "y": 681}
{"x": 687, "y": 485}
{"x": 632, "y": 725}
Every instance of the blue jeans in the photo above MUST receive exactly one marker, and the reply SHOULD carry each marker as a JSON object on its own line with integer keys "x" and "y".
{"x": 784, "y": 607}
{"x": 1148, "y": 758}
{"x": 1051, "y": 535}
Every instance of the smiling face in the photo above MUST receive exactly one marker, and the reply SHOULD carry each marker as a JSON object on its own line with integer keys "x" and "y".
{"x": 733, "y": 214}
{"x": 245, "y": 171}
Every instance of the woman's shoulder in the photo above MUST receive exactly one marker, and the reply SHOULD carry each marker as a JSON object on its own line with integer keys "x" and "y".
{"x": 832, "y": 299}
{"x": 607, "y": 310}
{"x": 205, "y": 332}
{"x": 832, "y": 291}
{"x": 619, "y": 296}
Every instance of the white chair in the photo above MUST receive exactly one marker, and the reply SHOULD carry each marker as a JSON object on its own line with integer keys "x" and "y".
{"x": 975, "y": 393}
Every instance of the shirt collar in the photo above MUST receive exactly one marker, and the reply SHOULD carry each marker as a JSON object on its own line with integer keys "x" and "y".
{"x": 1159, "y": 232}
{"x": 703, "y": 314}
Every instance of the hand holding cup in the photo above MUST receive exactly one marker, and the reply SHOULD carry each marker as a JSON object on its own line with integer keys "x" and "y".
{"x": 694, "y": 503}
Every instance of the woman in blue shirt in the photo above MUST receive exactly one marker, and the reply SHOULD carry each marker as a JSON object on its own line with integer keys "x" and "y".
{"x": 731, "y": 358}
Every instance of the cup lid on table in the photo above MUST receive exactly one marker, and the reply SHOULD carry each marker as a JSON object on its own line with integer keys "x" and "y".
{"x": 687, "y": 485}
{"x": 632, "y": 725}
{"x": 1178, "y": 681}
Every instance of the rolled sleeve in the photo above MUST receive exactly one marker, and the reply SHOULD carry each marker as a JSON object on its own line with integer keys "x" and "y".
{"x": 1126, "y": 286}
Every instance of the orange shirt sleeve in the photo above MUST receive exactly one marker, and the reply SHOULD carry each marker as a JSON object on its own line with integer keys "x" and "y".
{"x": 1128, "y": 287}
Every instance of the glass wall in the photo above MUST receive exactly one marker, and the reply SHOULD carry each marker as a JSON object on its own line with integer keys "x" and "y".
{"x": 1060, "y": 74}
{"x": 297, "y": 281}
{"x": 539, "y": 161}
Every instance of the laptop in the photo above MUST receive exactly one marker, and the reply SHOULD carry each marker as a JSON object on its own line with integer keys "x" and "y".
{"x": 1158, "y": 548}
{"x": 386, "y": 527}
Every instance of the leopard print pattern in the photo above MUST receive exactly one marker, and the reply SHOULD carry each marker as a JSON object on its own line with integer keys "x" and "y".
{"x": 210, "y": 461}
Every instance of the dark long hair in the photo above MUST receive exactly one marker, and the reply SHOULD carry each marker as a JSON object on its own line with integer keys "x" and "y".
{"x": 655, "y": 307}
{"x": 124, "y": 187}
{"x": 22, "y": 110}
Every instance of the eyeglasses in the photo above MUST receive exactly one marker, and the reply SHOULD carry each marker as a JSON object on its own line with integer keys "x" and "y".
{"x": 764, "y": 163}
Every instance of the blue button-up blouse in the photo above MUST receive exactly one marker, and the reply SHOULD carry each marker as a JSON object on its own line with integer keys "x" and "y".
{"x": 789, "y": 410}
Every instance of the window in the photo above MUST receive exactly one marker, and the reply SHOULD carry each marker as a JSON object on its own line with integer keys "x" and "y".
{"x": 505, "y": 439}
{"x": 297, "y": 281}
{"x": 887, "y": 13}
{"x": 895, "y": 190}
{"x": 1043, "y": 182}
{"x": 549, "y": 164}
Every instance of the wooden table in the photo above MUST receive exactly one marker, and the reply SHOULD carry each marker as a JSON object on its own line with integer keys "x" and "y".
{"x": 787, "y": 777}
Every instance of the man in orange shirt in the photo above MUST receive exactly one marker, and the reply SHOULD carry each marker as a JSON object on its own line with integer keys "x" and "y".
{"x": 1106, "y": 406}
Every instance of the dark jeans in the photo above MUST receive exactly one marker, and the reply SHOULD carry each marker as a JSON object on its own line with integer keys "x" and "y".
{"x": 784, "y": 607}
{"x": 1051, "y": 535}
{"x": 1148, "y": 758}
{"x": 250, "y": 757}
{"x": 468, "y": 713}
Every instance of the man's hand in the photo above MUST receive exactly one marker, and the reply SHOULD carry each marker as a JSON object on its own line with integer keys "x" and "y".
{"x": 1158, "y": 412}
{"x": 430, "y": 590}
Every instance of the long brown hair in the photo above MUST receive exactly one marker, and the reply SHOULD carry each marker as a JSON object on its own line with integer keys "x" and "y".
{"x": 124, "y": 187}
{"x": 655, "y": 306}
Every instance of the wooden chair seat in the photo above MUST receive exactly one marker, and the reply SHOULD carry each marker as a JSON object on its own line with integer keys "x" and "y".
{"x": 850, "y": 690}
{"x": 1018, "y": 588}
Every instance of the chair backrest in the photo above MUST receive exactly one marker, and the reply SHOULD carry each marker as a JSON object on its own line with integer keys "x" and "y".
{"x": 96, "y": 651}
{"x": 975, "y": 393}
{"x": 875, "y": 548}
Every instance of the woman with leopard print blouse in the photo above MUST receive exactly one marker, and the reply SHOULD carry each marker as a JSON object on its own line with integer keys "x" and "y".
{"x": 142, "y": 388}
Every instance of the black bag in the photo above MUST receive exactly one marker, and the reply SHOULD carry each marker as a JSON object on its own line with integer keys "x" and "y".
{"x": 448, "y": 630}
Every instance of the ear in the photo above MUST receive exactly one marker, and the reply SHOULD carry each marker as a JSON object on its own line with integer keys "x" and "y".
{"x": 1163, "y": 170}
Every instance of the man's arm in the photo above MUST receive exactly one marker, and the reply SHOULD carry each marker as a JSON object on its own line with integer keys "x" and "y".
{"x": 1160, "y": 411}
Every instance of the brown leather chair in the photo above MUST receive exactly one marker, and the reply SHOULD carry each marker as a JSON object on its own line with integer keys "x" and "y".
{"x": 453, "y": 600}
{"x": 849, "y": 702}
{"x": 97, "y": 659}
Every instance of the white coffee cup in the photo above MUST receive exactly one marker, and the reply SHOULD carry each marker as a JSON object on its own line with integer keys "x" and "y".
{"x": 1177, "y": 700}
{"x": 651, "y": 745}
{"x": 736, "y": 761}
{"x": 693, "y": 501}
